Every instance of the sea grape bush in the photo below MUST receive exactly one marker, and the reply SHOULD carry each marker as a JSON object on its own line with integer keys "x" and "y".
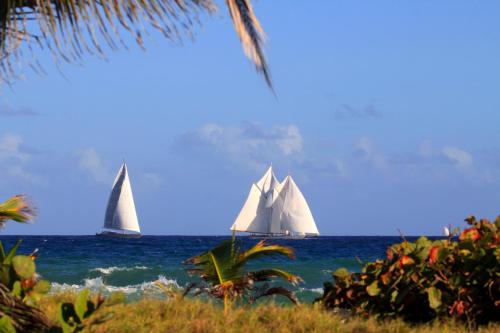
{"x": 17, "y": 273}
{"x": 82, "y": 313}
{"x": 21, "y": 289}
{"x": 422, "y": 280}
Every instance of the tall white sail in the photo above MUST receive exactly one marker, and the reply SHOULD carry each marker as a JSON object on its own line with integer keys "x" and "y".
{"x": 120, "y": 213}
{"x": 292, "y": 212}
{"x": 274, "y": 208}
{"x": 257, "y": 210}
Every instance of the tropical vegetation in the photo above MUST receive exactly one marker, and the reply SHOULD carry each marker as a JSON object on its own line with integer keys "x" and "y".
{"x": 224, "y": 275}
{"x": 17, "y": 209}
{"x": 150, "y": 315}
{"x": 427, "y": 279}
{"x": 441, "y": 284}
{"x": 71, "y": 28}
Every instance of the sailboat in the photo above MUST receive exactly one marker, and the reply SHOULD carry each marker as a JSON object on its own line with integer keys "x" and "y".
{"x": 275, "y": 209}
{"x": 120, "y": 219}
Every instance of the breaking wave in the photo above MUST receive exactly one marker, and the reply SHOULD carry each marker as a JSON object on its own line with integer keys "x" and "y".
{"x": 110, "y": 270}
{"x": 98, "y": 285}
{"x": 314, "y": 290}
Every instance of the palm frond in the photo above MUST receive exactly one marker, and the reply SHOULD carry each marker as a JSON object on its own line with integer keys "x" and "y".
{"x": 71, "y": 28}
{"x": 222, "y": 270}
{"x": 218, "y": 264}
{"x": 18, "y": 209}
{"x": 250, "y": 33}
{"x": 278, "y": 291}
{"x": 261, "y": 249}
{"x": 269, "y": 273}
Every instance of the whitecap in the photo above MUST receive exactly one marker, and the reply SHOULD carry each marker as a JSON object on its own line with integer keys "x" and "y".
{"x": 110, "y": 270}
{"x": 314, "y": 290}
{"x": 98, "y": 285}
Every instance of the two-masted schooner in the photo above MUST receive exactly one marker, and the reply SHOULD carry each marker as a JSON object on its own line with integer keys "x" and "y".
{"x": 275, "y": 209}
{"x": 121, "y": 219}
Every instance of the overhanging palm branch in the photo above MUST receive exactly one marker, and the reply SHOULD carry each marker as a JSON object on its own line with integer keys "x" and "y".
{"x": 17, "y": 209}
{"x": 70, "y": 28}
{"x": 222, "y": 270}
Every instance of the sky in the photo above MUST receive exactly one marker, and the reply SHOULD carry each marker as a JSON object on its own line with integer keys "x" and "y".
{"x": 386, "y": 114}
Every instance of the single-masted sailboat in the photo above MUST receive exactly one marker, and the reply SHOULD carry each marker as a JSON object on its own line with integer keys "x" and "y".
{"x": 120, "y": 219}
{"x": 275, "y": 209}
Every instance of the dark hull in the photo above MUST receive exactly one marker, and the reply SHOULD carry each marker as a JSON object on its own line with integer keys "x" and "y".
{"x": 109, "y": 234}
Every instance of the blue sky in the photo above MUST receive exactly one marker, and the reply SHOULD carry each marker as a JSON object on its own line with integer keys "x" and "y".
{"x": 386, "y": 114}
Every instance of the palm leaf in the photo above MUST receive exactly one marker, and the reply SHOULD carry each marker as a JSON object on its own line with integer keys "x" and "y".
{"x": 71, "y": 28}
{"x": 261, "y": 249}
{"x": 224, "y": 276}
{"x": 17, "y": 209}
{"x": 250, "y": 33}
{"x": 219, "y": 264}
{"x": 269, "y": 273}
{"x": 278, "y": 291}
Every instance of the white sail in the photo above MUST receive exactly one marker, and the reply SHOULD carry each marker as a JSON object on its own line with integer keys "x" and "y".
{"x": 292, "y": 212}
{"x": 274, "y": 208}
{"x": 268, "y": 181}
{"x": 256, "y": 213}
{"x": 120, "y": 212}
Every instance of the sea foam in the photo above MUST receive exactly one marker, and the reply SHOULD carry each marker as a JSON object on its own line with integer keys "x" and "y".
{"x": 98, "y": 285}
{"x": 314, "y": 290}
{"x": 110, "y": 270}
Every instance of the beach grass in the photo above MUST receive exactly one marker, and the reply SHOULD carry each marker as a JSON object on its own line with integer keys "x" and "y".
{"x": 197, "y": 315}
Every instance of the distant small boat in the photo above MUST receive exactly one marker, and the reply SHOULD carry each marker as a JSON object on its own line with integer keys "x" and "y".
{"x": 275, "y": 209}
{"x": 121, "y": 218}
{"x": 446, "y": 231}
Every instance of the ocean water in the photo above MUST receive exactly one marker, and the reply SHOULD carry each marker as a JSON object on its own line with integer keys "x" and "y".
{"x": 132, "y": 265}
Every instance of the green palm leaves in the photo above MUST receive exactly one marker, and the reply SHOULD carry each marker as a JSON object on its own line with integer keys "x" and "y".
{"x": 222, "y": 270}
{"x": 17, "y": 209}
{"x": 70, "y": 28}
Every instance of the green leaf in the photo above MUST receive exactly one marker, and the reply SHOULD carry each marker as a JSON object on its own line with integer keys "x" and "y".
{"x": 373, "y": 289}
{"x": 23, "y": 266}
{"x": 81, "y": 303}
{"x": 6, "y": 325}
{"x": 341, "y": 273}
{"x": 2, "y": 252}
{"x": 16, "y": 289}
{"x": 394, "y": 294}
{"x": 42, "y": 287}
{"x": 12, "y": 252}
{"x": 68, "y": 318}
{"x": 442, "y": 254}
{"x": 434, "y": 295}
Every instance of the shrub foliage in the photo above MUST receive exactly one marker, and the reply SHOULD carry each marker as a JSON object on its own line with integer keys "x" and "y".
{"x": 422, "y": 280}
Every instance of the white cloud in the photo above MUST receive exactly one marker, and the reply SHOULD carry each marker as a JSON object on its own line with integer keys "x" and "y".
{"x": 460, "y": 158}
{"x": 14, "y": 157}
{"x": 20, "y": 172}
{"x": 366, "y": 149}
{"x": 10, "y": 148}
{"x": 249, "y": 143}
{"x": 92, "y": 164}
{"x": 150, "y": 179}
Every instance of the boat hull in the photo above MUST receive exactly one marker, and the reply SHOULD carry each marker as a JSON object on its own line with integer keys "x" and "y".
{"x": 109, "y": 234}
{"x": 280, "y": 236}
